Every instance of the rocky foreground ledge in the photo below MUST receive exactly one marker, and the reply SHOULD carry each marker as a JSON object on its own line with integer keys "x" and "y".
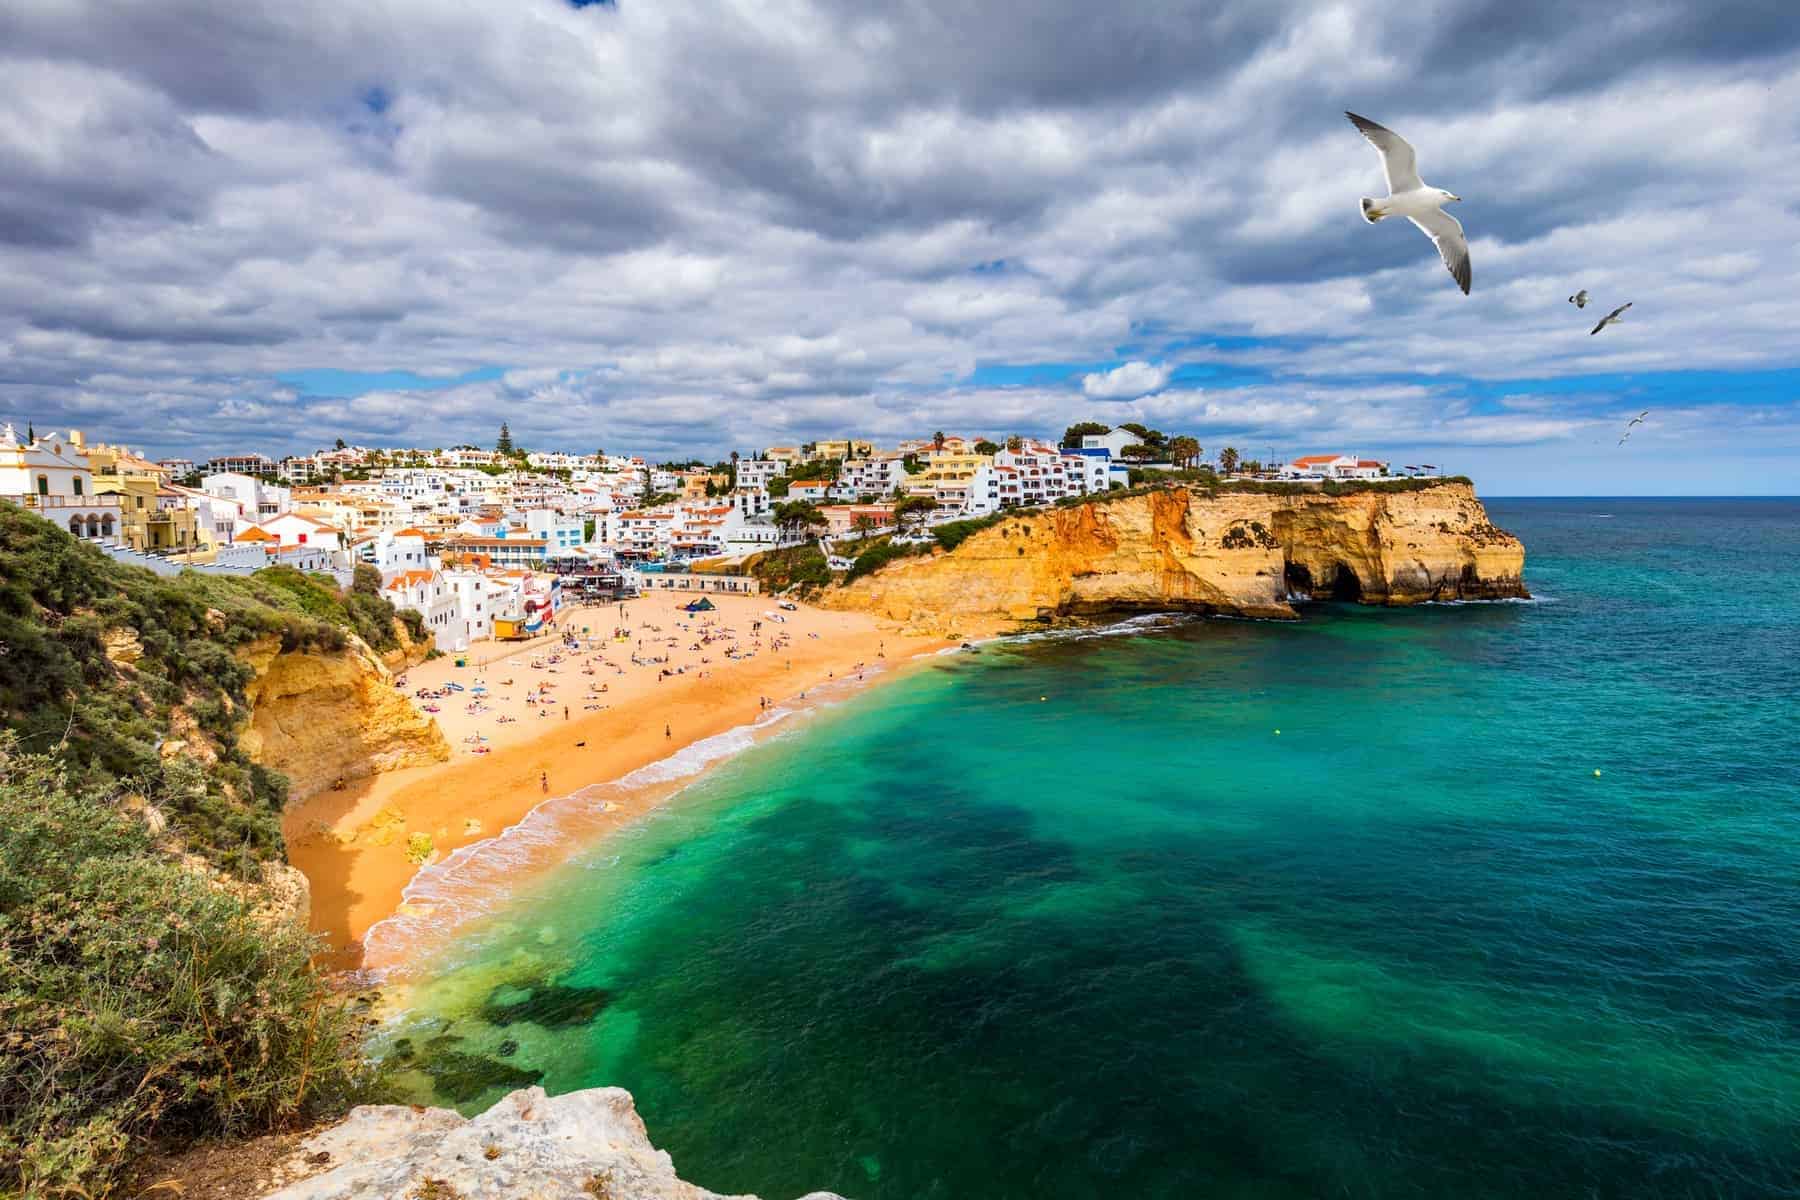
{"x": 581, "y": 1146}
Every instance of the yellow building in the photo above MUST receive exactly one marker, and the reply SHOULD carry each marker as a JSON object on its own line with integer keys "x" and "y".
{"x": 843, "y": 449}
{"x": 152, "y": 517}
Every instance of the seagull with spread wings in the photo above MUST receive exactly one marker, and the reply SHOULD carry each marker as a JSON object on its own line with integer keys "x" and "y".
{"x": 1611, "y": 318}
{"x": 1579, "y": 299}
{"x": 1409, "y": 197}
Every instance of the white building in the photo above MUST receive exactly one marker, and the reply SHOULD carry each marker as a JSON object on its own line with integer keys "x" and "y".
{"x": 51, "y": 477}
{"x": 429, "y": 594}
{"x": 756, "y": 472}
{"x": 1334, "y": 466}
{"x": 255, "y": 499}
{"x": 562, "y": 535}
{"x": 875, "y": 477}
{"x": 1042, "y": 475}
{"x": 1113, "y": 442}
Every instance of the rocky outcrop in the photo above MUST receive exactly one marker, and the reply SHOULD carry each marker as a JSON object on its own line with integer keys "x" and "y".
{"x": 318, "y": 717}
{"x": 1242, "y": 553}
{"x": 580, "y": 1146}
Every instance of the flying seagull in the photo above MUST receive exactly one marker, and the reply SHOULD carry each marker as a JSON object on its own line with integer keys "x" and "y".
{"x": 1637, "y": 420}
{"x": 1611, "y": 318}
{"x": 1409, "y": 197}
{"x": 1579, "y": 299}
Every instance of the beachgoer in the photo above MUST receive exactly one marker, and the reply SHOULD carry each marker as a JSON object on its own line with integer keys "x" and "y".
{"x": 667, "y": 733}
{"x": 544, "y": 781}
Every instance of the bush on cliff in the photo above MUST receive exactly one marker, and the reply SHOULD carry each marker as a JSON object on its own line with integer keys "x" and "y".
{"x": 138, "y": 996}
{"x": 172, "y": 673}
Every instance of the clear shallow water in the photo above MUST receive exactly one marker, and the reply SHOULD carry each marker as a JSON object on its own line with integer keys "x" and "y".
{"x": 1069, "y": 919}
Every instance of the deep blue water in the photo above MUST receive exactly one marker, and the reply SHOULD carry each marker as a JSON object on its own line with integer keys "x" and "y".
{"x": 1225, "y": 909}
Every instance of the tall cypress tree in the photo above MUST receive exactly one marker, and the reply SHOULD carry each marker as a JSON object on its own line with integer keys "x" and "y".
{"x": 504, "y": 445}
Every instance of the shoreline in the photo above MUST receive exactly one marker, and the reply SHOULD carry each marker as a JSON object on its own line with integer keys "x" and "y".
{"x": 352, "y": 844}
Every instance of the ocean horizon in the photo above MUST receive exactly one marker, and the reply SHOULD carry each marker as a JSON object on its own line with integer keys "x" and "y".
{"x": 1476, "y": 899}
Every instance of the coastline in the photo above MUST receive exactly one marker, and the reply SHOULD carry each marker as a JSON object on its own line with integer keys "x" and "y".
{"x": 352, "y": 844}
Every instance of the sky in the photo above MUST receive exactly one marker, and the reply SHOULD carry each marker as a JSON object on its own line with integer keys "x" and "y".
{"x": 685, "y": 228}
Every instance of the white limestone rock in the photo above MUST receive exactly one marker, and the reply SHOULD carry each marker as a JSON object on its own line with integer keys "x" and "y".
{"x": 578, "y": 1146}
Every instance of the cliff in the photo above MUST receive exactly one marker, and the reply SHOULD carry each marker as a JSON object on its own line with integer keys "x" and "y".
{"x": 529, "y": 1146}
{"x": 1244, "y": 553}
{"x": 318, "y": 716}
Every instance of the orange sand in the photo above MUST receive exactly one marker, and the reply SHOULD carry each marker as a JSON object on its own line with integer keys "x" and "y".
{"x": 352, "y": 844}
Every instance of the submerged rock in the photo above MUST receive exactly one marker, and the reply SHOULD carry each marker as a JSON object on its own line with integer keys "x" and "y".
{"x": 529, "y": 1146}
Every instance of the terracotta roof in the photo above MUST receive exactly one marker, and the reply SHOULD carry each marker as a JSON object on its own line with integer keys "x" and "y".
{"x": 253, "y": 534}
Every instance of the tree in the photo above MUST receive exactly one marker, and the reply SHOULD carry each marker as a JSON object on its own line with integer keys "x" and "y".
{"x": 340, "y": 444}
{"x": 30, "y": 434}
{"x": 862, "y": 525}
{"x": 1153, "y": 438}
{"x": 986, "y": 447}
{"x": 1254, "y": 466}
{"x": 1015, "y": 443}
{"x": 1228, "y": 460}
{"x": 505, "y": 444}
{"x": 937, "y": 440}
{"x": 1184, "y": 450}
{"x": 365, "y": 580}
{"x": 1072, "y": 436}
{"x": 799, "y": 516}
{"x": 914, "y": 511}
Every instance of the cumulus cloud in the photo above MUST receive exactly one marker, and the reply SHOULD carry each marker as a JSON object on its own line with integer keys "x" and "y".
{"x": 688, "y": 228}
{"x": 1124, "y": 381}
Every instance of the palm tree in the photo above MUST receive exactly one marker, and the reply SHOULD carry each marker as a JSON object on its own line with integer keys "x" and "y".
{"x": 1228, "y": 460}
{"x": 862, "y": 525}
{"x": 937, "y": 440}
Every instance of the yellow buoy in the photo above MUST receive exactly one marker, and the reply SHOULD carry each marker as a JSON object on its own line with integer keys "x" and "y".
{"x": 1596, "y": 773}
{"x": 1278, "y": 733}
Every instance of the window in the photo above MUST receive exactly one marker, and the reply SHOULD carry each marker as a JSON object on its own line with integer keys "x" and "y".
{"x": 43, "y": 485}
{"x": 78, "y": 485}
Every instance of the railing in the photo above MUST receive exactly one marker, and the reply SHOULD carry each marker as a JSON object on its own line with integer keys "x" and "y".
{"x": 34, "y": 500}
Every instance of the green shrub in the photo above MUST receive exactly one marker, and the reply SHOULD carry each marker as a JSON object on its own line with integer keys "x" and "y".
{"x": 952, "y": 534}
{"x": 60, "y": 600}
{"x": 876, "y": 557}
{"x": 139, "y": 999}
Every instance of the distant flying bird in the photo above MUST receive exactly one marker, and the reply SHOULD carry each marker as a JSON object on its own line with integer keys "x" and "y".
{"x": 1637, "y": 420}
{"x": 1611, "y": 318}
{"x": 1579, "y": 299}
{"x": 1409, "y": 197}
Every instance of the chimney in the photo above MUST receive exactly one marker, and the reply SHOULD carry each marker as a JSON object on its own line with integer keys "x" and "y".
{"x": 77, "y": 440}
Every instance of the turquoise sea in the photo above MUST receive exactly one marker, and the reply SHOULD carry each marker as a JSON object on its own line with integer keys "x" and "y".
{"x": 1489, "y": 900}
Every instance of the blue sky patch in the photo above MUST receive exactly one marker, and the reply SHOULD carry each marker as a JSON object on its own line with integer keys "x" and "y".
{"x": 331, "y": 381}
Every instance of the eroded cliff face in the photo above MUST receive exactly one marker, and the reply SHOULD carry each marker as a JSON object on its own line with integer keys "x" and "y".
{"x": 317, "y": 718}
{"x": 529, "y": 1146}
{"x": 1245, "y": 554}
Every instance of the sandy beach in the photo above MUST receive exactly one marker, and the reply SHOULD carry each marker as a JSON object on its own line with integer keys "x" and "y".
{"x": 617, "y": 688}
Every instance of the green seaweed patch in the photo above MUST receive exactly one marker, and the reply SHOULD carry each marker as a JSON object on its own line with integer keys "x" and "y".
{"x": 464, "y": 1077}
{"x": 552, "y": 1005}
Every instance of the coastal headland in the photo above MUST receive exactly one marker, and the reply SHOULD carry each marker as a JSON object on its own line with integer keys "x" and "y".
{"x": 1247, "y": 552}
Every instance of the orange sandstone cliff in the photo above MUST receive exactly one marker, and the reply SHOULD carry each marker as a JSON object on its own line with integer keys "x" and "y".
{"x": 319, "y": 717}
{"x": 1241, "y": 553}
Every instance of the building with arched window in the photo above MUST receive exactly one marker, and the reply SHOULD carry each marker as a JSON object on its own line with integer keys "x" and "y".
{"x": 51, "y": 477}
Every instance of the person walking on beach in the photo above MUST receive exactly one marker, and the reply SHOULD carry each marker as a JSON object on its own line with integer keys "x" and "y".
{"x": 667, "y": 733}
{"x": 565, "y": 712}
{"x": 544, "y": 781}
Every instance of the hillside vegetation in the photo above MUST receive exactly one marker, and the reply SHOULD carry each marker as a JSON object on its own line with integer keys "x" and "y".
{"x": 105, "y": 664}
{"x": 144, "y": 989}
